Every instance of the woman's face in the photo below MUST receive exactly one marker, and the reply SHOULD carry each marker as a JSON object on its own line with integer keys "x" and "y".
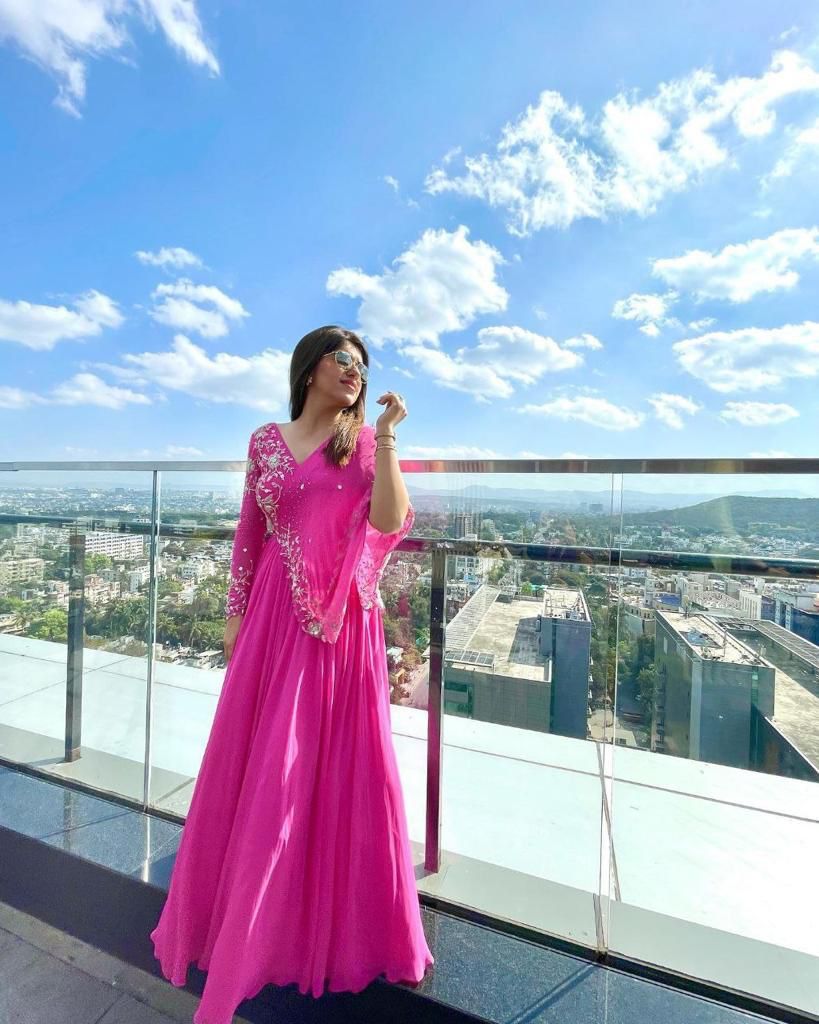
{"x": 339, "y": 384}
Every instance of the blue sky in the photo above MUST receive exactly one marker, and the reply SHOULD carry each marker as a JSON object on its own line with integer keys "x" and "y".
{"x": 588, "y": 229}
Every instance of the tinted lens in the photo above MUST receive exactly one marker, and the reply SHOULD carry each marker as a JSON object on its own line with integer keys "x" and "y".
{"x": 346, "y": 360}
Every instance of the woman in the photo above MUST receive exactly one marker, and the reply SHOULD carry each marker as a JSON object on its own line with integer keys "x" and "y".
{"x": 294, "y": 864}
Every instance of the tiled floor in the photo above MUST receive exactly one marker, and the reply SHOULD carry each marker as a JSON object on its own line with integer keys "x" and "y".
{"x": 48, "y": 977}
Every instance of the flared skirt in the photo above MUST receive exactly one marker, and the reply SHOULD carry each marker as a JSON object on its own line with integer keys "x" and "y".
{"x": 294, "y": 864}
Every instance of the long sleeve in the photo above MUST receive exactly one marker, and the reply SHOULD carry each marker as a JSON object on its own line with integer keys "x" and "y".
{"x": 377, "y": 546}
{"x": 377, "y": 550}
{"x": 249, "y": 538}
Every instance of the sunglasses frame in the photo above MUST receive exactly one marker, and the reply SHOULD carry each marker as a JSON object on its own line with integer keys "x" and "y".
{"x": 362, "y": 368}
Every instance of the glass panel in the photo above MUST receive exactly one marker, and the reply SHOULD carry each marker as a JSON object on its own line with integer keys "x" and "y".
{"x": 528, "y": 691}
{"x": 198, "y": 512}
{"x": 74, "y": 573}
{"x": 716, "y": 802}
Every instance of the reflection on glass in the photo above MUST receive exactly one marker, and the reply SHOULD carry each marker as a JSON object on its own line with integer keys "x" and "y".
{"x": 74, "y": 571}
{"x": 715, "y": 812}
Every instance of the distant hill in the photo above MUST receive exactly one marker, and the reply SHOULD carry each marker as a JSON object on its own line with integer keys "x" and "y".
{"x": 736, "y": 513}
{"x": 428, "y": 493}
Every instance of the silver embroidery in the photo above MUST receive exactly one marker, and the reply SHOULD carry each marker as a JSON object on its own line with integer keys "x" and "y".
{"x": 280, "y": 464}
{"x": 266, "y": 478}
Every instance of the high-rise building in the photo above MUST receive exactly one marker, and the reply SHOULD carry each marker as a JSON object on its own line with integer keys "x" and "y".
{"x": 520, "y": 661}
{"x": 565, "y": 639}
{"x": 798, "y": 611}
{"x": 712, "y": 692}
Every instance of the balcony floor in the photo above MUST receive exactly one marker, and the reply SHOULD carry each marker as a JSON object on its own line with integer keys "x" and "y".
{"x": 42, "y": 967}
{"x": 681, "y": 894}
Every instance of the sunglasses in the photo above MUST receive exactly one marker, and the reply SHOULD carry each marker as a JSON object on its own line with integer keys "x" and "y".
{"x": 345, "y": 360}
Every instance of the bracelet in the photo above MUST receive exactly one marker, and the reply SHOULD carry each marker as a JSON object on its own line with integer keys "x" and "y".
{"x": 386, "y": 447}
{"x": 385, "y": 435}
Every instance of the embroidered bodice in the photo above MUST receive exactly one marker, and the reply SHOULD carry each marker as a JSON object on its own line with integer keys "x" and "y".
{"x": 317, "y": 514}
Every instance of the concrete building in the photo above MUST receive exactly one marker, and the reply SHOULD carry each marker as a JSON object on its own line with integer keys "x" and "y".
{"x": 21, "y": 570}
{"x": 753, "y": 604}
{"x": 565, "y": 639}
{"x": 469, "y": 568}
{"x": 791, "y": 745}
{"x": 116, "y": 545}
{"x": 712, "y": 693}
{"x": 520, "y": 661}
{"x": 638, "y": 620}
{"x": 798, "y": 611}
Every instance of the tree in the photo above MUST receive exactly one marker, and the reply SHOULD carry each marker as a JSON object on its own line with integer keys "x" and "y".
{"x": 95, "y": 562}
{"x": 52, "y": 625}
{"x": 647, "y": 683}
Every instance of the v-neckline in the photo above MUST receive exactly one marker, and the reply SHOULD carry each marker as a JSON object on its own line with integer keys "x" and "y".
{"x": 290, "y": 453}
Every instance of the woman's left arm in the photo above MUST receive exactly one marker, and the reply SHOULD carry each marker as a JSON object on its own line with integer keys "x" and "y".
{"x": 390, "y": 501}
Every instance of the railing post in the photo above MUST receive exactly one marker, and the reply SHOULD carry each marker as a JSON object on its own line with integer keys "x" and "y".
{"x": 437, "y": 636}
{"x": 74, "y": 648}
{"x": 153, "y": 565}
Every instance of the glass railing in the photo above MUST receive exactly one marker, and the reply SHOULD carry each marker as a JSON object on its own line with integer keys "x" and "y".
{"x": 604, "y": 680}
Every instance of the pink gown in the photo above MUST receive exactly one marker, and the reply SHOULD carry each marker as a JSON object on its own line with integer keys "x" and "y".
{"x": 294, "y": 864}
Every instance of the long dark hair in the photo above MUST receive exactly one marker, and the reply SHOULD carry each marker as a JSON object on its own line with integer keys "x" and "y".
{"x": 302, "y": 363}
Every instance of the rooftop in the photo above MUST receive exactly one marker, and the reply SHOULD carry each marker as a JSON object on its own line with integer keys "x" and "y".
{"x": 796, "y": 700}
{"x": 707, "y": 640}
{"x": 565, "y": 604}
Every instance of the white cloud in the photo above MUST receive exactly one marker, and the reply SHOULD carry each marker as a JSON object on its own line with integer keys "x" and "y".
{"x": 40, "y": 327}
{"x": 752, "y": 357}
{"x": 758, "y": 414}
{"x": 739, "y": 272}
{"x": 552, "y": 165}
{"x": 670, "y": 409}
{"x": 441, "y": 283}
{"x": 773, "y": 453}
{"x": 17, "y": 398}
{"x": 481, "y": 381}
{"x": 177, "y": 451}
{"x": 504, "y": 357}
{"x": 395, "y": 185}
{"x": 647, "y": 310}
{"x": 179, "y": 21}
{"x": 170, "y": 451}
{"x": 201, "y": 308}
{"x": 62, "y": 35}
{"x": 258, "y": 381}
{"x": 803, "y": 141}
{"x": 99, "y": 309}
{"x": 81, "y": 389}
{"x": 598, "y": 412}
{"x": 700, "y": 325}
{"x": 89, "y": 389}
{"x": 175, "y": 257}
{"x": 520, "y": 355}
{"x": 449, "y": 451}
{"x": 584, "y": 341}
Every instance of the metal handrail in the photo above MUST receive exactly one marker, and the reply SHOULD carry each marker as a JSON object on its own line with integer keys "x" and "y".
{"x": 616, "y": 557}
{"x": 728, "y": 466}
